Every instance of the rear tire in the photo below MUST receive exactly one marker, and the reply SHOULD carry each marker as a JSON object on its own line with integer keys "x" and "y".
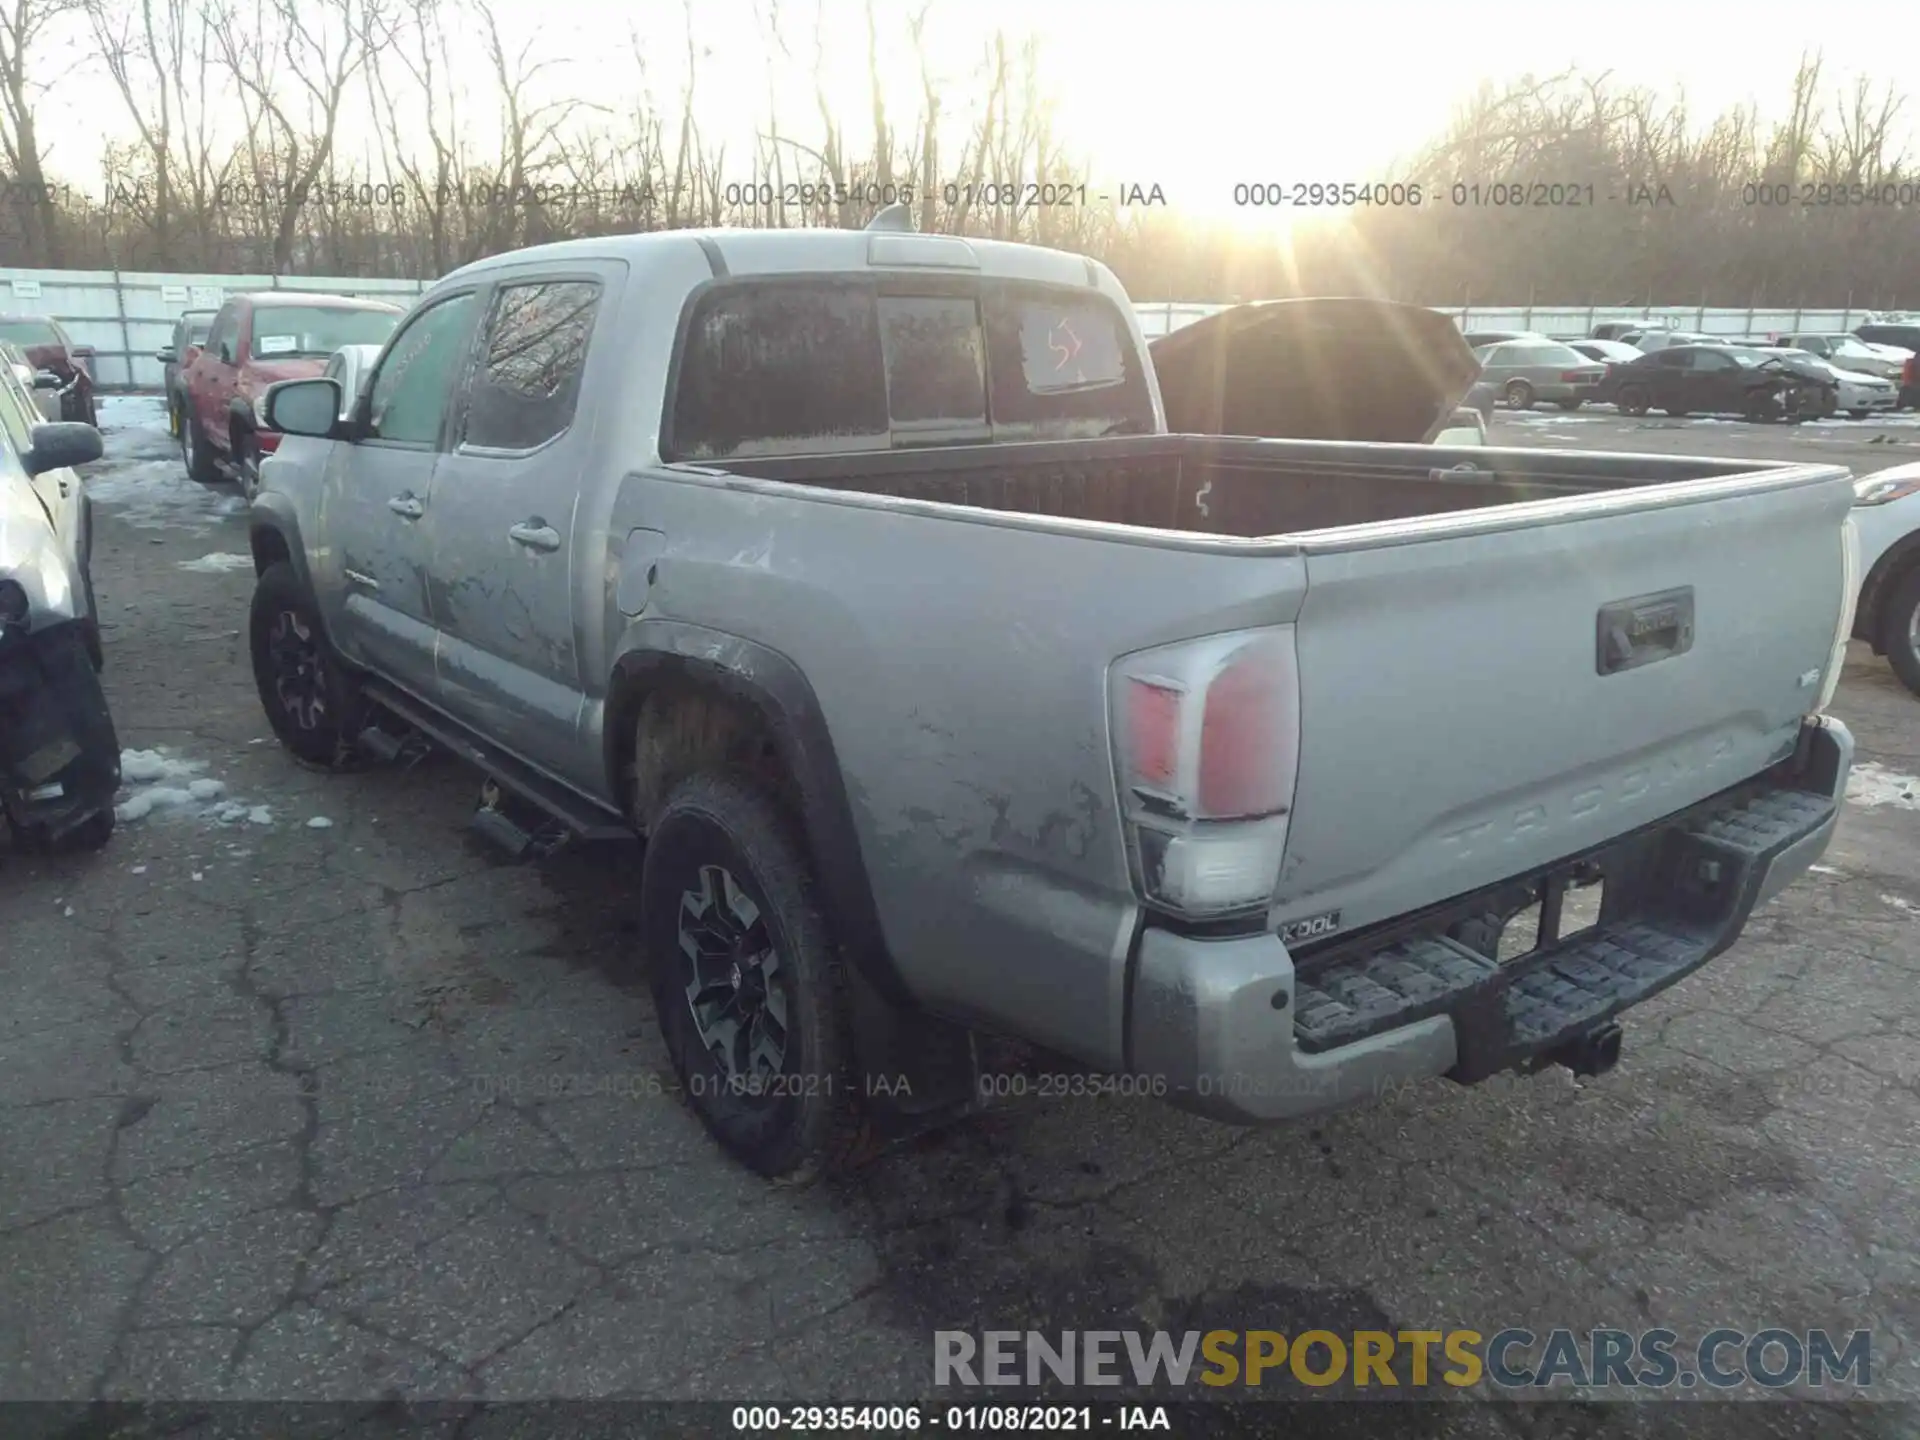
{"x": 1569, "y": 405}
{"x": 245, "y": 458}
{"x": 1633, "y": 400}
{"x": 1677, "y": 414}
{"x": 200, "y": 463}
{"x": 1899, "y": 628}
{"x": 1858, "y": 414}
{"x": 310, "y": 698}
{"x": 754, "y": 1018}
{"x": 1519, "y": 395}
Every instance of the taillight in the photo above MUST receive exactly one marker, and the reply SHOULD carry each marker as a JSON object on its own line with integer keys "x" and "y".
{"x": 1206, "y": 737}
{"x": 1910, "y": 372}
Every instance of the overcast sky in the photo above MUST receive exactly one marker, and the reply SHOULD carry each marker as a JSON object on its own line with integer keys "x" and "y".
{"x": 1193, "y": 95}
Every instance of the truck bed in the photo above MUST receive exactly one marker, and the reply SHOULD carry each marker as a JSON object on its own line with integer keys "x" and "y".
{"x": 1233, "y": 487}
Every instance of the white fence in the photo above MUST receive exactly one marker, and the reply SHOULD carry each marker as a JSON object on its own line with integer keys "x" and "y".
{"x": 126, "y": 315}
{"x": 1162, "y": 318}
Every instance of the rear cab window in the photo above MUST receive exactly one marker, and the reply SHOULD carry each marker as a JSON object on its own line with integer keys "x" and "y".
{"x": 822, "y": 364}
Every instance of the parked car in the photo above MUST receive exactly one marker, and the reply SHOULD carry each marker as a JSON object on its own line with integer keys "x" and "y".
{"x": 1607, "y": 352}
{"x": 1618, "y": 330}
{"x": 42, "y": 386}
{"x": 1849, "y": 352}
{"x": 1648, "y": 341}
{"x": 254, "y": 341}
{"x": 1886, "y": 516}
{"x": 1721, "y": 379}
{"x": 1906, "y": 336}
{"x": 189, "y": 335}
{"x": 1855, "y": 394}
{"x": 49, "y": 347}
{"x": 1529, "y": 371}
{"x": 59, "y": 752}
{"x": 1477, "y": 338}
{"x": 634, "y": 522}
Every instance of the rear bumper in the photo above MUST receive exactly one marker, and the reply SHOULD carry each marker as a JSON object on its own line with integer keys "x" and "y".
{"x": 59, "y": 753}
{"x": 1238, "y": 1033}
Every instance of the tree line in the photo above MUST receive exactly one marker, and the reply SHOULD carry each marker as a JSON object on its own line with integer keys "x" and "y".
{"x": 1564, "y": 189}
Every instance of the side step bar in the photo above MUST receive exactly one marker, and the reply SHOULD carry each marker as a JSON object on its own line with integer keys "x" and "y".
{"x": 585, "y": 819}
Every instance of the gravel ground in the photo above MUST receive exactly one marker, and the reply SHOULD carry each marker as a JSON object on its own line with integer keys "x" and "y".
{"x": 304, "y": 1094}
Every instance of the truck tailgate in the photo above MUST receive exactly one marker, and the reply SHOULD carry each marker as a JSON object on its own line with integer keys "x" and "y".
{"x": 1487, "y": 693}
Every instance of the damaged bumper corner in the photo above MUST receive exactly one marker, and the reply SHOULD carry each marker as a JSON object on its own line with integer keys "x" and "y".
{"x": 59, "y": 752}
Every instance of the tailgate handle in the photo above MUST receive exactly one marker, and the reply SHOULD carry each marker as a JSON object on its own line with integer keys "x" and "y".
{"x": 1644, "y": 629}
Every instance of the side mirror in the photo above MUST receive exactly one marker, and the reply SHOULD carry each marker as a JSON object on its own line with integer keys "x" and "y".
{"x": 83, "y": 352}
{"x": 302, "y": 407}
{"x": 226, "y": 352}
{"x": 47, "y": 380}
{"x": 166, "y": 355}
{"x": 61, "y": 443}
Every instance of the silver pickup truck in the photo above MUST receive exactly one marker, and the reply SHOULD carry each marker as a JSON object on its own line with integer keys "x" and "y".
{"x": 956, "y": 699}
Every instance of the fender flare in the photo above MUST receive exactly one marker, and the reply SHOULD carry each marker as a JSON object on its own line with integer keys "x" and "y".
{"x": 658, "y": 650}
{"x": 273, "y": 533}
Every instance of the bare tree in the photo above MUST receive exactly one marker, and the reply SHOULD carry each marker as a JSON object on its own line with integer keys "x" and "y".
{"x": 294, "y": 61}
{"x": 23, "y": 25}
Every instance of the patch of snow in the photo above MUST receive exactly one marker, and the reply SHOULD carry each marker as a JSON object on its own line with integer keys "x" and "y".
{"x": 139, "y": 870}
{"x": 147, "y": 766}
{"x": 153, "y": 780}
{"x": 1897, "y": 903}
{"x": 69, "y": 912}
{"x": 1822, "y": 870}
{"x": 218, "y": 564}
{"x": 319, "y": 822}
{"x": 142, "y": 478}
{"x": 1874, "y": 785}
{"x": 197, "y": 875}
{"x": 260, "y": 815}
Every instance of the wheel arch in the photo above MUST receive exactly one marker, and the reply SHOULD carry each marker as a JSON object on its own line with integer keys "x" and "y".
{"x": 1882, "y": 578}
{"x": 663, "y": 656}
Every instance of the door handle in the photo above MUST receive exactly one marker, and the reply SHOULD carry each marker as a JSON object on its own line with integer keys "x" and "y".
{"x": 407, "y": 506}
{"x": 535, "y": 534}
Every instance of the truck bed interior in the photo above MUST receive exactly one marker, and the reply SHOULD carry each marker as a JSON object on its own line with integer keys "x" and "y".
{"x": 1227, "y": 486}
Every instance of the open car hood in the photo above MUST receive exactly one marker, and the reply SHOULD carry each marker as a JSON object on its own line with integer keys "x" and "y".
{"x": 1322, "y": 369}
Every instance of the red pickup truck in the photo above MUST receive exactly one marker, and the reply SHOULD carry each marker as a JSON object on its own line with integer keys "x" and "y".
{"x": 256, "y": 340}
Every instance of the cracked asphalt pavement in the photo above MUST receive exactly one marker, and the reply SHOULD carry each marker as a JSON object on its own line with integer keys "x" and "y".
{"x": 293, "y": 1110}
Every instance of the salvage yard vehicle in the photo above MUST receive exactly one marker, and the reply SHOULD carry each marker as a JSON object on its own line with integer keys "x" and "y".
{"x": 42, "y": 386}
{"x": 254, "y": 341}
{"x": 49, "y": 347}
{"x": 1529, "y": 371}
{"x": 953, "y": 697}
{"x": 1886, "y": 514}
{"x": 59, "y": 752}
{"x": 189, "y": 338}
{"x": 1718, "y": 378}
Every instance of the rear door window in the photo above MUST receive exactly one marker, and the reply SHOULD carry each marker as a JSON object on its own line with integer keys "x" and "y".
{"x": 865, "y": 362}
{"x": 781, "y": 369}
